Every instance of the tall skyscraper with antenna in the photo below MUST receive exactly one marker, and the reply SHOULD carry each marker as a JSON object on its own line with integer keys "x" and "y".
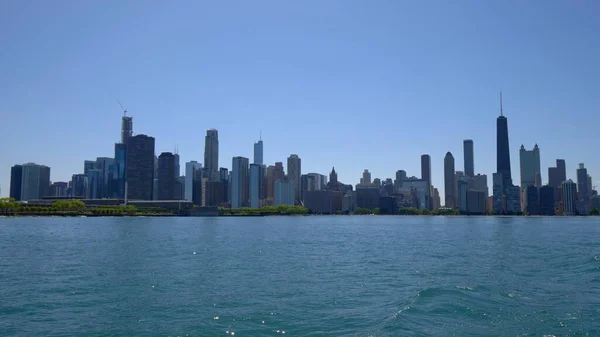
{"x": 503, "y": 149}
{"x": 126, "y": 126}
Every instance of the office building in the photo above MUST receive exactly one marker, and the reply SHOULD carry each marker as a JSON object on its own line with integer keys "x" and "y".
{"x": 325, "y": 201}
{"x": 284, "y": 192}
{"x": 503, "y": 150}
{"x": 177, "y": 170}
{"x": 126, "y": 128}
{"x": 190, "y": 170}
{"x": 400, "y": 178}
{"x": 120, "y": 164}
{"x": 166, "y": 173}
{"x": 532, "y": 203}
{"x": 140, "y": 168}
{"x": 435, "y": 199}
{"x": 79, "y": 186}
{"x": 59, "y": 189}
{"x": 547, "y": 200}
{"x": 556, "y": 176}
{"x": 294, "y": 168}
{"x": 568, "y": 197}
{"x": 426, "y": 168}
{"x": 258, "y": 152}
{"x": 366, "y": 178}
{"x": 239, "y": 182}
{"x": 583, "y": 190}
{"x": 469, "y": 160}
{"x": 367, "y": 196}
{"x": 416, "y": 193}
{"x": 498, "y": 194}
{"x": 513, "y": 200}
{"x": 449, "y": 181}
{"x": 462, "y": 189}
{"x": 257, "y": 185}
{"x": 476, "y": 202}
{"x": 211, "y": 154}
{"x": 16, "y": 178}
{"x": 35, "y": 181}
{"x": 530, "y": 167}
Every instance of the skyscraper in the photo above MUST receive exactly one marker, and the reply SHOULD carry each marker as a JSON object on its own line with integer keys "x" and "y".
{"x": 498, "y": 194}
{"x": 449, "y": 181}
{"x": 258, "y": 152}
{"x": 257, "y": 185}
{"x": 503, "y": 149}
{"x": 294, "y": 168}
{"x": 239, "y": 182}
{"x": 126, "y": 128}
{"x": 35, "y": 182}
{"x": 366, "y": 178}
{"x": 583, "y": 192}
{"x": 177, "y": 170}
{"x": 166, "y": 180}
{"x": 399, "y": 181}
{"x": 120, "y": 162}
{"x": 568, "y": 197}
{"x": 426, "y": 168}
{"x": 190, "y": 171}
{"x": 211, "y": 154}
{"x": 469, "y": 157}
{"x": 16, "y": 178}
{"x": 140, "y": 167}
{"x": 530, "y": 167}
{"x": 556, "y": 176}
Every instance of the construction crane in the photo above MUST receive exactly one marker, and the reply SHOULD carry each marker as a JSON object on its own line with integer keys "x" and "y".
{"x": 122, "y": 108}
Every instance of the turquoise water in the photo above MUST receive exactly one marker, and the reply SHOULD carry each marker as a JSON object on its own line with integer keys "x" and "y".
{"x": 305, "y": 276}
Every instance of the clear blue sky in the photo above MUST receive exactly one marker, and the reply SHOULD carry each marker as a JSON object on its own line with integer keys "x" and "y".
{"x": 350, "y": 84}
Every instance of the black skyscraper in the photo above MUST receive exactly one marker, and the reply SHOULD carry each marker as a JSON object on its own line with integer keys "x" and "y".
{"x": 503, "y": 149}
{"x": 140, "y": 167}
{"x": 166, "y": 171}
{"x": 16, "y": 177}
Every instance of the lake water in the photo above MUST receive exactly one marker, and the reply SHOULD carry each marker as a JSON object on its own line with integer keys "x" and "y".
{"x": 300, "y": 276}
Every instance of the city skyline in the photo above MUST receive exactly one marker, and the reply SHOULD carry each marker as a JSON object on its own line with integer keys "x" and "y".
{"x": 372, "y": 96}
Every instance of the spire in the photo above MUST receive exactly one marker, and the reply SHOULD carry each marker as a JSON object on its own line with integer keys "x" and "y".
{"x": 260, "y": 136}
{"x": 501, "y": 112}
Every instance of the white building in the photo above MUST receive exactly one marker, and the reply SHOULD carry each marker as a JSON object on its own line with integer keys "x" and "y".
{"x": 190, "y": 170}
{"x": 284, "y": 192}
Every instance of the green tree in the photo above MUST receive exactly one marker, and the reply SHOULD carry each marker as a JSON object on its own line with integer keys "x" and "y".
{"x": 595, "y": 211}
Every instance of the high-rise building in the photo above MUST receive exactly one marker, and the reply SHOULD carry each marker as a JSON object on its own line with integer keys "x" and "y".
{"x": 16, "y": 178}
{"x": 366, "y": 178}
{"x": 284, "y": 192}
{"x": 503, "y": 149}
{"x": 78, "y": 186}
{"x": 239, "y": 182}
{"x": 400, "y": 178}
{"x": 211, "y": 154}
{"x": 88, "y": 165}
{"x": 498, "y": 193}
{"x": 177, "y": 170}
{"x": 120, "y": 165}
{"x": 556, "y": 176}
{"x": 532, "y": 204}
{"x": 294, "y": 168}
{"x": 426, "y": 168}
{"x": 258, "y": 152}
{"x": 530, "y": 167}
{"x": 166, "y": 173}
{"x": 583, "y": 191}
{"x": 140, "y": 167}
{"x": 469, "y": 157}
{"x": 190, "y": 171}
{"x": 449, "y": 181}
{"x": 547, "y": 200}
{"x": 462, "y": 188}
{"x": 568, "y": 197}
{"x": 105, "y": 165}
{"x": 476, "y": 202}
{"x": 35, "y": 182}
{"x": 257, "y": 185}
{"x": 126, "y": 128}
{"x": 59, "y": 189}
{"x": 513, "y": 199}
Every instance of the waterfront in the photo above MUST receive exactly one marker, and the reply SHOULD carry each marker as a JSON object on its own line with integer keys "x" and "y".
{"x": 307, "y": 276}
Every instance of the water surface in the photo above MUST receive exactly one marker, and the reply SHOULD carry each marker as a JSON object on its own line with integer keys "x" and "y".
{"x": 305, "y": 276}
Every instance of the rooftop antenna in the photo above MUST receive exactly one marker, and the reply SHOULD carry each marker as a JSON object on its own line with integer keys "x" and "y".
{"x": 260, "y": 136}
{"x": 122, "y": 108}
{"x": 501, "y": 112}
